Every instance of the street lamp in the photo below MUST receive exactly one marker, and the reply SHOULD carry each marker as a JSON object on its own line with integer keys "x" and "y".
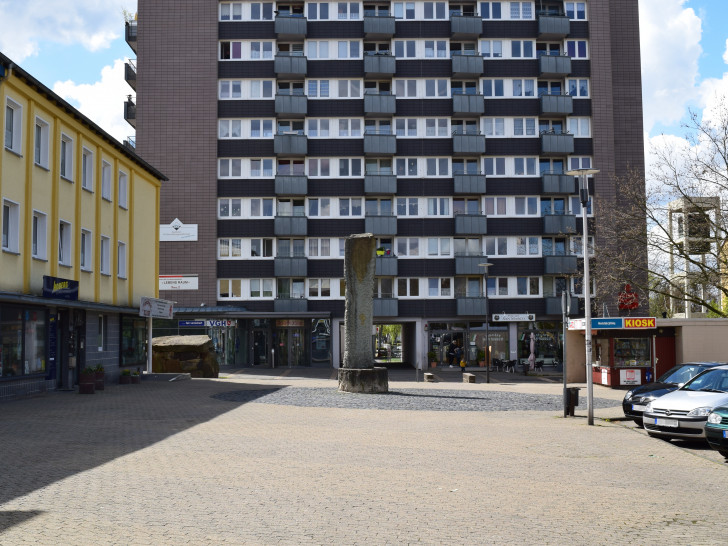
{"x": 584, "y": 198}
{"x": 486, "y": 265}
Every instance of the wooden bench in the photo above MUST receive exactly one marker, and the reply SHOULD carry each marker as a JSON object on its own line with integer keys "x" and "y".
{"x": 429, "y": 377}
{"x": 468, "y": 378}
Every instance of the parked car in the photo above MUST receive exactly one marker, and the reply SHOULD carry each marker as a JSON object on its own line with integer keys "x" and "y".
{"x": 716, "y": 430}
{"x": 684, "y": 412}
{"x": 636, "y": 400}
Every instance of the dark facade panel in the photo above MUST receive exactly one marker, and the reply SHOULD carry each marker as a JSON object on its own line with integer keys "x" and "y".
{"x": 583, "y": 146}
{"x": 514, "y": 226}
{"x": 517, "y": 306}
{"x": 422, "y": 29}
{"x": 424, "y": 68}
{"x": 423, "y": 227}
{"x": 245, "y": 188}
{"x": 582, "y": 107}
{"x": 327, "y": 269}
{"x": 245, "y": 148}
{"x": 320, "y": 147}
{"x": 426, "y": 268}
{"x": 515, "y": 267}
{"x": 513, "y": 146}
{"x": 335, "y": 228}
{"x": 335, "y": 308}
{"x": 424, "y": 147}
{"x": 336, "y": 186}
{"x": 245, "y": 228}
{"x": 334, "y": 29}
{"x": 580, "y": 69}
{"x": 246, "y": 109}
{"x": 510, "y": 29}
{"x": 579, "y": 29}
{"x": 243, "y": 30}
{"x": 513, "y": 186}
{"x": 512, "y": 107}
{"x": 433, "y": 187}
{"x": 424, "y": 107}
{"x": 338, "y": 69}
{"x": 445, "y": 308}
{"x": 245, "y": 69}
{"x": 248, "y": 269}
{"x": 333, "y": 107}
{"x": 511, "y": 68}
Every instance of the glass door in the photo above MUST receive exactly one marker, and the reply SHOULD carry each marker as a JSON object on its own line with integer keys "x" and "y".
{"x": 261, "y": 348}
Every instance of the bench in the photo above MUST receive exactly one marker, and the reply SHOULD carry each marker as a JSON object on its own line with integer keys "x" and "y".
{"x": 429, "y": 377}
{"x": 468, "y": 378}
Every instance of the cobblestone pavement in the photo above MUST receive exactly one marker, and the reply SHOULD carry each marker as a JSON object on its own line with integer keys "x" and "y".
{"x": 198, "y": 462}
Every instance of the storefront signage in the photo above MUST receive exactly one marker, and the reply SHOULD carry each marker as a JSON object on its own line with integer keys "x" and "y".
{"x": 630, "y": 377}
{"x": 640, "y": 323}
{"x": 577, "y": 324}
{"x": 524, "y": 317}
{"x": 177, "y": 231}
{"x": 290, "y": 324}
{"x": 154, "y": 308}
{"x": 606, "y": 323}
{"x": 178, "y": 282}
{"x": 191, "y": 323}
{"x": 60, "y": 289}
{"x": 219, "y": 323}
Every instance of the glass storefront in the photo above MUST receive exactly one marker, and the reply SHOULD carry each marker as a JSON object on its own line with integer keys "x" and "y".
{"x": 321, "y": 343}
{"x": 133, "y": 341}
{"x": 632, "y": 352}
{"x": 22, "y": 341}
{"x": 548, "y": 341}
{"x": 448, "y": 340}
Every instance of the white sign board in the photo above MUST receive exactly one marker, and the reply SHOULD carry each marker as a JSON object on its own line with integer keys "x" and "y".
{"x": 630, "y": 377}
{"x": 177, "y": 231}
{"x": 577, "y": 324}
{"x": 154, "y": 308}
{"x": 524, "y": 317}
{"x": 178, "y": 282}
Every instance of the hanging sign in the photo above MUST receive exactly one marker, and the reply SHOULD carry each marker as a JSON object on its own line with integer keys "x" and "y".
{"x": 177, "y": 231}
{"x": 154, "y": 308}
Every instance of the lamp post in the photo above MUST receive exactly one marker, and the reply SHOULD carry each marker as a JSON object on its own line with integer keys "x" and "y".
{"x": 584, "y": 198}
{"x": 485, "y": 267}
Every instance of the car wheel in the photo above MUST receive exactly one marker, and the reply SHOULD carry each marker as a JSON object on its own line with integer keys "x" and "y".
{"x": 638, "y": 422}
{"x": 723, "y": 452}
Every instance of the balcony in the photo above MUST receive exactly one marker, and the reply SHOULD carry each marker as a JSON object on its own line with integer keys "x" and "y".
{"x": 557, "y": 105}
{"x": 558, "y": 184}
{"x": 468, "y": 105}
{"x": 385, "y": 266}
{"x": 556, "y": 144}
{"x": 471, "y": 306}
{"x": 469, "y": 184}
{"x": 380, "y": 143}
{"x": 386, "y": 307}
{"x": 553, "y": 306}
{"x": 290, "y": 266}
{"x": 288, "y": 66}
{"x": 469, "y": 265}
{"x": 468, "y": 144}
{"x": 559, "y": 224}
{"x": 559, "y": 265}
{"x": 553, "y": 27}
{"x": 379, "y": 104}
{"x": 291, "y": 184}
{"x": 379, "y": 65}
{"x": 471, "y": 224}
{"x": 290, "y": 305}
{"x": 465, "y": 27}
{"x": 130, "y": 111}
{"x": 554, "y": 66}
{"x": 467, "y": 66}
{"x": 130, "y": 34}
{"x": 378, "y": 26}
{"x": 284, "y": 226}
{"x": 290, "y": 144}
{"x": 290, "y": 27}
{"x": 380, "y": 184}
{"x": 130, "y": 73}
{"x": 291, "y": 105}
{"x": 380, "y": 224}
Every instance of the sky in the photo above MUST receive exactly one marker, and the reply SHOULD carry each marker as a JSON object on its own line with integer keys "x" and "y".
{"x": 77, "y": 49}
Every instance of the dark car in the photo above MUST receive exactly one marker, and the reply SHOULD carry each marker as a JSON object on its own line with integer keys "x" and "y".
{"x": 716, "y": 430}
{"x": 636, "y": 400}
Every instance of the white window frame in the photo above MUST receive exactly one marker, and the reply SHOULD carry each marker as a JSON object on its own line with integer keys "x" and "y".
{"x": 11, "y": 226}
{"x": 86, "y": 250}
{"x": 87, "y": 169}
{"x": 39, "y": 235}
{"x": 123, "y": 190}
{"x": 121, "y": 259}
{"x": 528, "y": 293}
{"x": 102, "y": 332}
{"x": 106, "y": 180}
{"x": 42, "y": 144}
{"x": 65, "y": 243}
{"x": 14, "y": 131}
{"x": 66, "y": 157}
{"x": 105, "y": 255}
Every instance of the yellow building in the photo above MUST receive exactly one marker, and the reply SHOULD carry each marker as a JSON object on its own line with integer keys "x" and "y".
{"x": 80, "y": 244}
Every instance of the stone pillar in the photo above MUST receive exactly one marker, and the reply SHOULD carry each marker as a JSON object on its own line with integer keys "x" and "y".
{"x": 358, "y": 373}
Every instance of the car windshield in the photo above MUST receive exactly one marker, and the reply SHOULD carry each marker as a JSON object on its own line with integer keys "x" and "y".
{"x": 709, "y": 381}
{"x": 680, "y": 374}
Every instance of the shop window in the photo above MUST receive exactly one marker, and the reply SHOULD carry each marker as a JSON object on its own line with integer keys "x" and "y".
{"x": 22, "y": 341}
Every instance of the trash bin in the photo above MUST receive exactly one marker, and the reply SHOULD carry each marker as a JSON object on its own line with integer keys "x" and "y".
{"x": 572, "y": 400}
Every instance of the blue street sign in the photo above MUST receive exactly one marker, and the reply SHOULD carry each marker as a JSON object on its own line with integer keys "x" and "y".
{"x": 606, "y": 323}
{"x": 191, "y": 323}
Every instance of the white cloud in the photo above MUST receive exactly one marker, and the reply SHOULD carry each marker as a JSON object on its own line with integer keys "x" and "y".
{"x": 92, "y": 23}
{"x": 102, "y": 101}
{"x": 725, "y": 53}
{"x": 670, "y": 46}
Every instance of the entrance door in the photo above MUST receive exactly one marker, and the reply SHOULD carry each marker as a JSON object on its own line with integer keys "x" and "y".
{"x": 291, "y": 347}
{"x": 261, "y": 348}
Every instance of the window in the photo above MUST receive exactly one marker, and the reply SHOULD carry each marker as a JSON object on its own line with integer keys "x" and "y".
{"x": 349, "y": 49}
{"x": 438, "y": 206}
{"x": 230, "y": 248}
{"x": 318, "y": 89}
{"x": 526, "y": 206}
{"x": 13, "y": 126}
{"x": 39, "y": 248}
{"x": 493, "y": 88}
{"x": 438, "y": 166}
{"x": 438, "y": 246}
{"x": 102, "y": 332}
{"x": 576, "y": 49}
{"x": 522, "y": 49}
{"x": 350, "y": 207}
{"x": 11, "y": 226}
{"x": 289, "y": 167}
{"x": 318, "y": 49}
{"x": 231, "y": 11}
{"x": 495, "y": 206}
{"x": 435, "y": 48}
{"x": 319, "y": 288}
{"x": 465, "y": 206}
{"x": 319, "y": 167}
{"x": 230, "y": 89}
{"x": 495, "y": 166}
{"x": 105, "y": 255}
{"x": 527, "y": 246}
{"x": 319, "y": 248}
{"x": 467, "y": 246}
{"x": 383, "y": 287}
{"x": 580, "y": 127}
{"x": 406, "y": 166}
{"x": 524, "y": 166}
{"x": 261, "y": 89}
{"x": 106, "y": 180}
{"x": 496, "y": 246}
{"x": 491, "y": 48}
{"x": 259, "y": 128}
{"x": 378, "y": 166}
{"x": 318, "y": 11}
{"x": 66, "y": 157}
{"x": 577, "y": 245}
{"x": 576, "y": 163}
{"x": 259, "y": 248}
{"x": 261, "y": 288}
{"x": 528, "y": 286}
{"x": 348, "y": 127}
{"x": 230, "y": 288}
{"x": 521, "y": 10}
{"x": 121, "y": 260}
{"x": 437, "y": 127}
{"x": 405, "y": 88}
{"x": 408, "y": 206}
{"x": 576, "y": 10}
{"x": 123, "y": 189}
{"x": 232, "y": 128}
{"x": 463, "y": 87}
{"x": 318, "y": 128}
{"x": 349, "y": 167}
{"x": 64, "y": 243}
{"x": 406, "y": 127}
{"x": 42, "y": 140}
{"x": 87, "y": 169}
{"x": 408, "y": 288}
{"x": 497, "y": 286}
{"x": 229, "y": 208}
{"x": 262, "y": 11}
{"x": 491, "y": 10}
{"x": 436, "y": 88}
{"x": 439, "y": 287}
{"x": 523, "y": 88}
{"x": 404, "y": 10}
{"x": 261, "y": 207}
{"x": 348, "y": 10}
{"x": 553, "y": 246}
{"x": 494, "y": 127}
{"x": 290, "y": 207}
{"x": 576, "y": 205}
{"x": 557, "y": 205}
{"x": 408, "y": 246}
{"x": 405, "y": 49}
{"x": 86, "y": 250}
{"x": 260, "y": 168}
{"x": 350, "y": 89}
{"x": 465, "y": 166}
{"x": 524, "y": 127}
{"x": 435, "y": 10}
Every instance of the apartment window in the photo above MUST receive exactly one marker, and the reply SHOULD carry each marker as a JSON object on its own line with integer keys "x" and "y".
{"x": 580, "y": 127}
{"x": 495, "y": 127}
{"x": 557, "y": 205}
{"x": 260, "y": 248}
{"x": 491, "y": 48}
{"x": 406, "y": 89}
{"x": 522, "y": 49}
{"x": 348, "y": 127}
{"x": 493, "y": 88}
{"x": 404, "y": 10}
{"x": 105, "y": 255}
{"x": 64, "y": 243}
{"x": 39, "y": 248}
{"x": 259, "y": 128}
{"x": 497, "y": 286}
{"x": 465, "y": 206}
{"x": 350, "y": 207}
{"x": 318, "y": 11}
{"x": 229, "y": 208}
{"x": 319, "y": 288}
{"x": 260, "y": 168}
{"x": 66, "y": 157}
{"x": 496, "y": 246}
{"x": 289, "y": 167}
{"x": 436, "y": 88}
{"x": 42, "y": 141}
{"x": 408, "y": 206}
{"x": 230, "y": 288}
{"x": 232, "y": 11}
{"x": 434, "y": 48}
{"x": 408, "y": 288}
{"x": 467, "y": 246}
{"x": 521, "y": 10}
{"x": 349, "y": 167}
{"x": 577, "y": 284}
{"x": 348, "y": 10}
{"x": 523, "y": 88}
{"x": 318, "y": 89}
{"x": 106, "y": 181}
{"x": 437, "y": 127}
{"x": 438, "y": 206}
{"x": 123, "y": 190}
{"x": 577, "y": 245}
{"x": 406, "y": 166}
{"x": 87, "y": 169}
{"x": 528, "y": 286}
{"x": 232, "y": 128}
{"x": 576, "y": 205}
{"x": 436, "y": 10}
{"x": 439, "y": 287}
{"x": 290, "y": 207}
{"x": 465, "y": 166}
{"x": 576, "y": 49}
{"x": 464, "y": 127}
{"x": 261, "y": 11}
{"x": 319, "y": 167}
{"x": 229, "y": 248}
{"x": 13, "y": 126}
{"x": 261, "y": 207}
{"x": 405, "y": 49}
{"x": 349, "y": 49}
{"x": 527, "y": 246}
{"x": 11, "y": 226}
{"x": 577, "y": 163}
{"x": 318, "y": 49}
{"x": 495, "y": 166}
{"x": 319, "y": 248}
{"x": 102, "y": 332}
{"x": 438, "y": 246}
{"x": 526, "y": 206}
{"x": 378, "y": 166}
{"x": 575, "y": 10}
{"x": 495, "y": 206}
{"x": 553, "y": 246}
{"x": 524, "y": 126}
{"x": 406, "y": 127}
{"x": 121, "y": 260}
{"x": 463, "y": 87}
{"x": 350, "y": 89}
{"x": 231, "y": 89}
{"x": 86, "y": 252}
{"x": 320, "y": 128}
{"x": 438, "y": 166}
{"x": 408, "y": 246}
{"x": 261, "y": 89}
{"x": 524, "y": 166}
{"x": 491, "y": 10}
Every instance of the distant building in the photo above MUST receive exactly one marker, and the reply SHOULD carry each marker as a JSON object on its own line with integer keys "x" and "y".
{"x": 80, "y": 220}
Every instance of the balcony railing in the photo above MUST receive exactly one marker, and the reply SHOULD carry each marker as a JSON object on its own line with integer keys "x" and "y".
{"x": 293, "y": 144}
{"x": 554, "y": 66}
{"x": 468, "y": 143}
{"x": 380, "y": 224}
{"x": 471, "y": 224}
{"x": 553, "y": 305}
{"x": 551, "y": 26}
{"x": 291, "y": 184}
{"x": 465, "y": 26}
{"x": 558, "y": 183}
{"x": 559, "y": 265}
{"x": 385, "y": 266}
{"x": 284, "y": 225}
{"x": 291, "y": 104}
{"x": 385, "y": 307}
{"x": 468, "y": 105}
{"x": 379, "y": 104}
{"x": 290, "y": 26}
{"x": 380, "y": 142}
{"x": 290, "y": 65}
{"x": 379, "y": 65}
{"x": 283, "y": 304}
{"x": 130, "y": 73}
{"x": 469, "y": 184}
{"x": 130, "y": 111}
{"x": 559, "y": 224}
{"x": 290, "y": 266}
{"x": 130, "y": 33}
{"x": 557, "y": 105}
{"x": 469, "y": 306}
{"x": 557, "y": 144}
{"x": 380, "y": 183}
{"x": 467, "y": 65}
{"x": 468, "y": 264}
{"x": 378, "y": 24}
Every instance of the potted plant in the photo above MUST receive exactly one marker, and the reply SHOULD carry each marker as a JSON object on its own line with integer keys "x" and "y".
{"x": 125, "y": 377}
{"x": 432, "y": 357}
{"x": 99, "y": 377}
{"x": 136, "y": 377}
{"x": 380, "y": 251}
{"x": 481, "y": 358}
{"x": 87, "y": 381}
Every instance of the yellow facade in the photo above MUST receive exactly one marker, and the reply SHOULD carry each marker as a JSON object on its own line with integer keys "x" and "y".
{"x": 58, "y": 166}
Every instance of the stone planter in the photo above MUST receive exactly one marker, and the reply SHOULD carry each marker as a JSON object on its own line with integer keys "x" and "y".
{"x": 124, "y": 380}
{"x": 136, "y": 379}
{"x": 87, "y": 383}
{"x": 99, "y": 380}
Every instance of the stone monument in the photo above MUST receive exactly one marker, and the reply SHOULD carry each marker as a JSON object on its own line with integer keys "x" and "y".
{"x": 357, "y": 373}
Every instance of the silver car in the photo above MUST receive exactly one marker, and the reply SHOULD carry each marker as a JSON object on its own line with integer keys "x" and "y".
{"x": 684, "y": 412}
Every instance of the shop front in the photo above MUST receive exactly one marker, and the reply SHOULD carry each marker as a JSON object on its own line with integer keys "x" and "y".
{"x": 450, "y": 341}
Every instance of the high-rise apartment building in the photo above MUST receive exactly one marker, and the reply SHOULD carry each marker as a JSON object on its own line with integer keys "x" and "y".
{"x": 443, "y": 128}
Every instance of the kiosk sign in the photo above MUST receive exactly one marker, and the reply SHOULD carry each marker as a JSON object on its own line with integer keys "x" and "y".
{"x": 639, "y": 323}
